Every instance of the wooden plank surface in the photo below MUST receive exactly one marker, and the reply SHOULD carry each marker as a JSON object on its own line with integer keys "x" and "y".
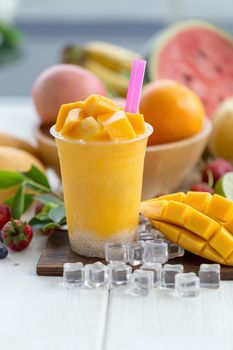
{"x": 39, "y": 313}
{"x": 162, "y": 321}
{"x": 57, "y": 251}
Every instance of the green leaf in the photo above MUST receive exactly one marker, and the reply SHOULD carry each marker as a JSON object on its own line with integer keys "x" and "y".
{"x": 38, "y": 224}
{"x": 57, "y": 214}
{"x": 38, "y": 177}
{"x": 10, "y": 178}
{"x": 9, "y": 201}
{"x": 11, "y": 36}
{"x": 50, "y": 226}
{"x": 9, "y": 54}
{"x": 63, "y": 222}
{"x": 35, "y": 186}
{"x": 18, "y": 203}
{"x": 43, "y": 216}
{"x": 28, "y": 199}
{"x": 48, "y": 198}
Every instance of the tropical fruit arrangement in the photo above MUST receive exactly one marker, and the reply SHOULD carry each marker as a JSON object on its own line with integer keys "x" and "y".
{"x": 189, "y": 83}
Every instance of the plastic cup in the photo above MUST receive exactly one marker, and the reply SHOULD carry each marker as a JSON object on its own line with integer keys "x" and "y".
{"x": 102, "y": 184}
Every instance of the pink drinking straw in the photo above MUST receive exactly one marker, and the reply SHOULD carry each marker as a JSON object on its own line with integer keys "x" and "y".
{"x": 135, "y": 86}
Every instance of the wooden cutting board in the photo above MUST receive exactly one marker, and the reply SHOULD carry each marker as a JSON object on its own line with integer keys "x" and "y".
{"x": 57, "y": 251}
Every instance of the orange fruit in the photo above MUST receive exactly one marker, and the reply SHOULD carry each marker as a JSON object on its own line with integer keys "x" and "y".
{"x": 174, "y": 111}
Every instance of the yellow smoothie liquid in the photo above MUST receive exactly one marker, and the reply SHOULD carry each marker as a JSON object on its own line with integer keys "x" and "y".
{"x": 102, "y": 183}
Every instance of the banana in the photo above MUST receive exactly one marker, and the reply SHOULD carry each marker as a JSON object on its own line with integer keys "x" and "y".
{"x": 116, "y": 57}
{"x": 111, "y": 63}
{"x": 112, "y": 79}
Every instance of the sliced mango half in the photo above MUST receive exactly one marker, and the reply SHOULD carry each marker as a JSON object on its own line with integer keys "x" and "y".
{"x": 199, "y": 222}
{"x": 214, "y": 206}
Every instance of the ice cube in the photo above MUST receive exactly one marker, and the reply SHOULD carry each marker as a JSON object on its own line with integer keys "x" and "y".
{"x": 168, "y": 275}
{"x": 156, "y": 268}
{"x": 144, "y": 224}
{"x": 149, "y": 235}
{"x": 187, "y": 285}
{"x": 116, "y": 252}
{"x": 209, "y": 275}
{"x": 96, "y": 275}
{"x": 119, "y": 274}
{"x": 73, "y": 274}
{"x": 141, "y": 282}
{"x": 174, "y": 250}
{"x": 146, "y": 238}
{"x": 155, "y": 251}
{"x": 135, "y": 253}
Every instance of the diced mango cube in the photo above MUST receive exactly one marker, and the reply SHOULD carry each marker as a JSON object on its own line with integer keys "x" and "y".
{"x": 200, "y": 224}
{"x": 63, "y": 113}
{"x": 73, "y": 118}
{"x": 197, "y": 200}
{"x": 212, "y": 254}
{"x": 222, "y": 242}
{"x": 96, "y": 105}
{"x": 175, "y": 213}
{"x": 117, "y": 126}
{"x": 137, "y": 122}
{"x": 177, "y": 197}
{"x": 86, "y": 128}
{"x": 153, "y": 210}
{"x": 170, "y": 231}
{"x": 229, "y": 225}
{"x": 191, "y": 242}
{"x": 220, "y": 208}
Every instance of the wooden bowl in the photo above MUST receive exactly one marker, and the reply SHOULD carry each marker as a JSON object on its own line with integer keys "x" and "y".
{"x": 166, "y": 166}
{"x": 47, "y": 148}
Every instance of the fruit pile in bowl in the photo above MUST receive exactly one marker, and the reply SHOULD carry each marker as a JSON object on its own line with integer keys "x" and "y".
{"x": 186, "y": 81}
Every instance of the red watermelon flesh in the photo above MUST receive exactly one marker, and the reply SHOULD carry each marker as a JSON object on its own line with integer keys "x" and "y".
{"x": 202, "y": 59}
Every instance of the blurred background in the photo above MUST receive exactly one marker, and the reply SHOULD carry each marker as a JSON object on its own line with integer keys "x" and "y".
{"x": 48, "y": 26}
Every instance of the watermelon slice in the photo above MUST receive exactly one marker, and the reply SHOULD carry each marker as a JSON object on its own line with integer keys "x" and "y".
{"x": 198, "y": 55}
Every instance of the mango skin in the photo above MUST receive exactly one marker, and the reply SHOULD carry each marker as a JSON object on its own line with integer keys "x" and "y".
{"x": 199, "y": 222}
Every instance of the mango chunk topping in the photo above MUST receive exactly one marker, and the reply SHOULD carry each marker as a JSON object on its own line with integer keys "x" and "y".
{"x": 111, "y": 122}
{"x": 117, "y": 126}
{"x": 137, "y": 122}
{"x": 64, "y": 111}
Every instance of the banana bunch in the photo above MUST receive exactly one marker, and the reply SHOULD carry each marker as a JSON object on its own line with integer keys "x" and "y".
{"x": 111, "y": 63}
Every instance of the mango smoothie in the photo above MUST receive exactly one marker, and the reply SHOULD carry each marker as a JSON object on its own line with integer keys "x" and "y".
{"x": 101, "y": 150}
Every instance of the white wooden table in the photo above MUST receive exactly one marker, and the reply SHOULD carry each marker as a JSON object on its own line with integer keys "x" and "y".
{"x": 37, "y": 313}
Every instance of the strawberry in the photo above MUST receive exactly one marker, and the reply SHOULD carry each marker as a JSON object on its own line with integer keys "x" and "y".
{"x": 5, "y": 214}
{"x": 202, "y": 187}
{"x": 17, "y": 234}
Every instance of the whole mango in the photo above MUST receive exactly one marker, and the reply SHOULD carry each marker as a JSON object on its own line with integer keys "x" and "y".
{"x": 60, "y": 84}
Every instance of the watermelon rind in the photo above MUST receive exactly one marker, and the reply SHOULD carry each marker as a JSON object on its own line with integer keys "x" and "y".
{"x": 159, "y": 40}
